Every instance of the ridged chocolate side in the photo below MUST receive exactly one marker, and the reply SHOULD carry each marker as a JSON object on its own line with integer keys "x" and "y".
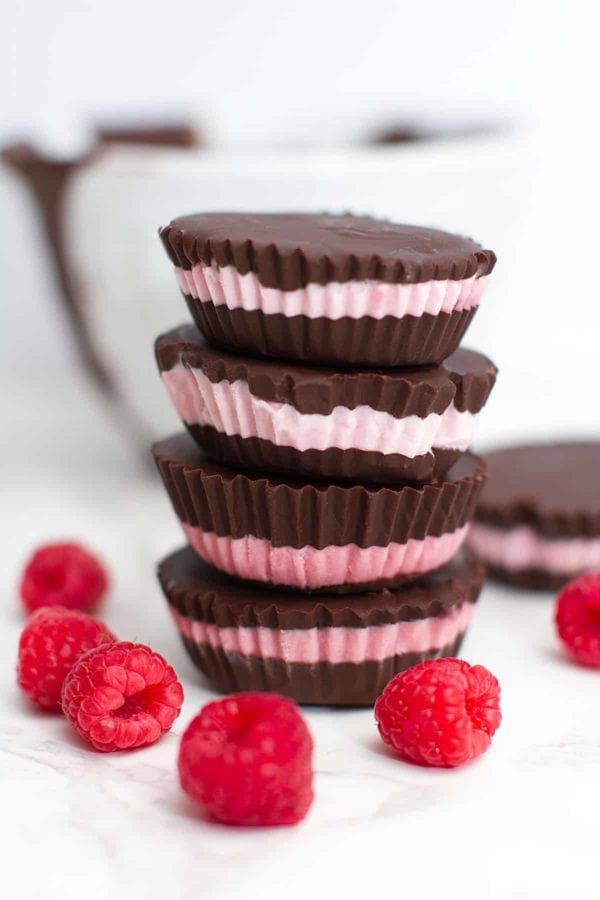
{"x": 202, "y": 593}
{"x": 318, "y": 514}
{"x": 314, "y": 684}
{"x": 464, "y": 380}
{"x": 409, "y": 341}
{"x": 331, "y": 464}
{"x": 552, "y": 488}
{"x": 288, "y": 251}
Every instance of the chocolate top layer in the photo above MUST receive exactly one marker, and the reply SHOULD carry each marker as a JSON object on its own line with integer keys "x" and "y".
{"x": 553, "y": 488}
{"x": 464, "y": 379}
{"x": 288, "y": 251}
{"x": 196, "y": 589}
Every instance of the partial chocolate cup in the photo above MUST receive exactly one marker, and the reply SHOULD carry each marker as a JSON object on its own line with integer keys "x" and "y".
{"x": 537, "y": 524}
{"x": 372, "y": 425}
{"x": 334, "y": 650}
{"x": 343, "y": 290}
{"x": 530, "y": 579}
{"x": 317, "y": 535}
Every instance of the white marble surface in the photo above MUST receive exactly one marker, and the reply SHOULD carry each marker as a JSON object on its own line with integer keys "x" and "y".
{"x": 521, "y": 822}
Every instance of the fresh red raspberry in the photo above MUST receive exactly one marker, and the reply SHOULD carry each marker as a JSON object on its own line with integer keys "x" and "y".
{"x": 51, "y": 643}
{"x": 121, "y": 696}
{"x": 577, "y": 618}
{"x": 63, "y": 575}
{"x": 247, "y": 760}
{"x": 442, "y": 712}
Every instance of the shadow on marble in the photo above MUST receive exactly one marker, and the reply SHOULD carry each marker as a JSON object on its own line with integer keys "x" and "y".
{"x": 559, "y": 656}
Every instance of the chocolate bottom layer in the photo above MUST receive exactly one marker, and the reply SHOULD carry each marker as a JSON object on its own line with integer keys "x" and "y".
{"x": 298, "y": 513}
{"x": 314, "y": 684}
{"x": 391, "y": 341}
{"x": 530, "y": 579}
{"x": 331, "y": 464}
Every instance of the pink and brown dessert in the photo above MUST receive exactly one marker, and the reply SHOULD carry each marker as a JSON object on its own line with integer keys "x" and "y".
{"x": 344, "y": 290}
{"x": 390, "y": 425}
{"x": 317, "y": 536}
{"x": 537, "y": 524}
{"x": 331, "y": 650}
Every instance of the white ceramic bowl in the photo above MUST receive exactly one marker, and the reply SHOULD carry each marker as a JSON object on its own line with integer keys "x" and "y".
{"x": 469, "y": 185}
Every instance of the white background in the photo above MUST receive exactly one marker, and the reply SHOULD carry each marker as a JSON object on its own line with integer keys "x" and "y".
{"x": 523, "y": 821}
{"x": 268, "y": 70}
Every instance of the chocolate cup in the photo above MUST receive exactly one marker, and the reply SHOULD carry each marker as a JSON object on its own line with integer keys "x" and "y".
{"x": 552, "y": 489}
{"x": 462, "y": 383}
{"x": 297, "y": 514}
{"x": 200, "y": 593}
{"x": 390, "y": 341}
{"x": 259, "y": 455}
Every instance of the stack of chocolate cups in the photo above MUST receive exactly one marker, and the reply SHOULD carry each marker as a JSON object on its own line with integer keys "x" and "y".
{"x": 324, "y": 484}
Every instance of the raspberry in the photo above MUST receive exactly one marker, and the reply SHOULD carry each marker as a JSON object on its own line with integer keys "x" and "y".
{"x": 121, "y": 696}
{"x": 63, "y": 575}
{"x": 247, "y": 760}
{"x": 53, "y": 640}
{"x": 577, "y": 618}
{"x": 443, "y": 712}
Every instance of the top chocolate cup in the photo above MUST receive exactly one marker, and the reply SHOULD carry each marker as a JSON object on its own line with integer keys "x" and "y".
{"x": 342, "y": 290}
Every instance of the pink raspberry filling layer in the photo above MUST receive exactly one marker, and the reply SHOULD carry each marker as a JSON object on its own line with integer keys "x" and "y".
{"x": 522, "y": 548}
{"x": 355, "y": 299}
{"x": 334, "y": 644}
{"x": 232, "y": 409}
{"x": 308, "y": 568}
